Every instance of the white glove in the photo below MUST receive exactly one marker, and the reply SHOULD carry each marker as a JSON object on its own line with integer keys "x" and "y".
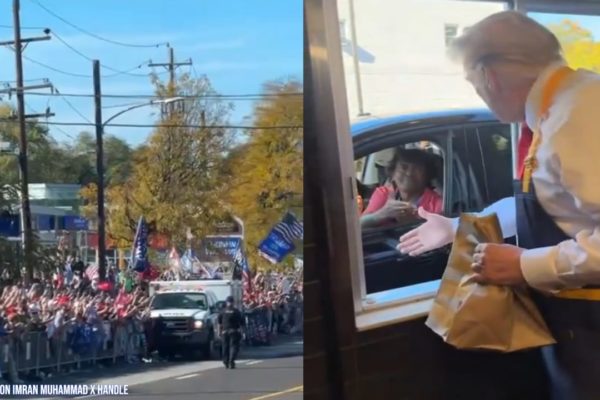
{"x": 436, "y": 232}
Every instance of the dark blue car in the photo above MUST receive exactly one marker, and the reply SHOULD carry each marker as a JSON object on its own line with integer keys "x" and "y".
{"x": 473, "y": 157}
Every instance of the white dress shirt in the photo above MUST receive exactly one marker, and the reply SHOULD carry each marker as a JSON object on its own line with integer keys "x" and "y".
{"x": 567, "y": 184}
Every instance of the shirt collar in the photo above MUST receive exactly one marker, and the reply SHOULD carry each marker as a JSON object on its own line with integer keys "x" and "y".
{"x": 534, "y": 98}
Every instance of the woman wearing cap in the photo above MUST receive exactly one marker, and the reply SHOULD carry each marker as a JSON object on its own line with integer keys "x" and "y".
{"x": 410, "y": 186}
{"x": 516, "y": 67}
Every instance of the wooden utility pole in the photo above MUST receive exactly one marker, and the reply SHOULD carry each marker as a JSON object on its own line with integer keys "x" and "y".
{"x": 171, "y": 66}
{"x": 19, "y": 45}
{"x": 100, "y": 172}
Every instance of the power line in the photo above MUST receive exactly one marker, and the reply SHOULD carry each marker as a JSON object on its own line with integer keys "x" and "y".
{"x": 26, "y": 80}
{"x": 74, "y": 73}
{"x": 73, "y": 107}
{"x": 275, "y": 127}
{"x": 55, "y": 69}
{"x": 93, "y": 34}
{"x": 46, "y": 123}
{"x": 76, "y": 51}
{"x": 24, "y": 27}
{"x": 258, "y": 96}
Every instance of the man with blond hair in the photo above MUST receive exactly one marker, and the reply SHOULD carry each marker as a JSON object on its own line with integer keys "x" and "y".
{"x": 516, "y": 67}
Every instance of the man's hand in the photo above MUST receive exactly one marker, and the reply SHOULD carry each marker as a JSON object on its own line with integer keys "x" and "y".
{"x": 436, "y": 232}
{"x": 498, "y": 264}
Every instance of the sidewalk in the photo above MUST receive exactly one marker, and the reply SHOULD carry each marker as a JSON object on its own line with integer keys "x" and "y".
{"x": 282, "y": 346}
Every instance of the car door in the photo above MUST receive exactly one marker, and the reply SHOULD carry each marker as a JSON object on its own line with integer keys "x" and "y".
{"x": 477, "y": 172}
{"x": 385, "y": 267}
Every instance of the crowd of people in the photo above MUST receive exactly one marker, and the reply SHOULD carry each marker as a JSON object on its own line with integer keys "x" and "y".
{"x": 277, "y": 301}
{"x": 73, "y": 305}
{"x": 70, "y": 303}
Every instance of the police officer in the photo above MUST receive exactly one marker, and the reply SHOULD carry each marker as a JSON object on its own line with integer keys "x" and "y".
{"x": 231, "y": 322}
{"x": 516, "y": 67}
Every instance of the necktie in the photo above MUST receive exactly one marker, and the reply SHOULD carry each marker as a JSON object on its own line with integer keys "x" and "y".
{"x": 524, "y": 144}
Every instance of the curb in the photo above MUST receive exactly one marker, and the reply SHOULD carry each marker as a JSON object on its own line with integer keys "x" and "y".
{"x": 267, "y": 355}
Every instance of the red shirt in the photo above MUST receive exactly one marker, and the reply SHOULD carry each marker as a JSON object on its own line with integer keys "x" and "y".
{"x": 430, "y": 200}
{"x": 524, "y": 143}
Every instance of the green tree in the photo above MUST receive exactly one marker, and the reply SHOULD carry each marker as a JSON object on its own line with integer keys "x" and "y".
{"x": 267, "y": 171}
{"x": 176, "y": 180}
{"x": 578, "y": 44}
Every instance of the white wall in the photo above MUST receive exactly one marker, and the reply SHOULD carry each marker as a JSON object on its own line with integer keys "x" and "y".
{"x": 404, "y": 67}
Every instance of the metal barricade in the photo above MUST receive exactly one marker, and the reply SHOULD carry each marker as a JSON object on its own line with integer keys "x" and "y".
{"x": 34, "y": 351}
{"x": 48, "y": 351}
{"x": 27, "y": 346}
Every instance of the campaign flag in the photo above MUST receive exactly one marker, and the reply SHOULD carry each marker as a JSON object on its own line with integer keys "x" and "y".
{"x": 174, "y": 262}
{"x": 92, "y": 272}
{"x": 280, "y": 241}
{"x": 139, "y": 261}
{"x": 187, "y": 260}
{"x": 241, "y": 262}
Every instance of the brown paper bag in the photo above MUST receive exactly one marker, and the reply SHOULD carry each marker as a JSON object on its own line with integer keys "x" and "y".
{"x": 468, "y": 315}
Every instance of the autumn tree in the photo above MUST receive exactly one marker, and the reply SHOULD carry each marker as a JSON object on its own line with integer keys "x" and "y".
{"x": 579, "y": 47}
{"x": 176, "y": 180}
{"x": 266, "y": 171}
{"x": 52, "y": 162}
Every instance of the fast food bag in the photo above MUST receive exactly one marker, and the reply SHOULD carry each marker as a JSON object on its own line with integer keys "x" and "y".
{"x": 468, "y": 315}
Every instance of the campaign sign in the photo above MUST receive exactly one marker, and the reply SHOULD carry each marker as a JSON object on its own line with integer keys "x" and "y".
{"x": 219, "y": 248}
{"x": 275, "y": 247}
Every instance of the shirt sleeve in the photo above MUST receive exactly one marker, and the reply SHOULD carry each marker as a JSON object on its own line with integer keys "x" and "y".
{"x": 377, "y": 200}
{"x": 575, "y": 147}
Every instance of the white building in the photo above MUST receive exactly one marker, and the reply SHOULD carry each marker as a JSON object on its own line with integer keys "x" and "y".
{"x": 401, "y": 54}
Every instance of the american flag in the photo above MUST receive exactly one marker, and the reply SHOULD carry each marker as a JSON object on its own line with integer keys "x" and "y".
{"x": 240, "y": 260}
{"x": 290, "y": 228}
{"x": 139, "y": 260}
{"x": 187, "y": 260}
{"x": 91, "y": 271}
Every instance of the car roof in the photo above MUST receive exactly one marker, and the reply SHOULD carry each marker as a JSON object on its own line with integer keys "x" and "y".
{"x": 425, "y": 119}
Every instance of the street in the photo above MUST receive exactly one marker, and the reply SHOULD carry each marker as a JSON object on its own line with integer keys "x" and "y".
{"x": 273, "y": 378}
{"x": 273, "y": 372}
{"x": 252, "y": 379}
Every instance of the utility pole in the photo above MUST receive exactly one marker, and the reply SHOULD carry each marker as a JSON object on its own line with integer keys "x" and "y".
{"x": 171, "y": 66}
{"x": 19, "y": 45}
{"x": 100, "y": 172}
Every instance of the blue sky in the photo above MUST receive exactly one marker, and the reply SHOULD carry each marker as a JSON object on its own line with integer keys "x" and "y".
{"x": 589, "y": 22}
{"x": 238, "y": 44}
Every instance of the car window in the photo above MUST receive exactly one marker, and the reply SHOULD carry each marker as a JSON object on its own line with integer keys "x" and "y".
{"x": 180, "y": 300}
{"x": 494, "y": 143}
{"x": 481, "y": 172}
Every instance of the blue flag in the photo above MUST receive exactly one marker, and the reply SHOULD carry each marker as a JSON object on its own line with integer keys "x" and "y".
{"x": 280, "y": 241}
{"x": 139, "y": 259}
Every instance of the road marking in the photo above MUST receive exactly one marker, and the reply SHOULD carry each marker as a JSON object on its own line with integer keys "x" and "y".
{"x": 268, "y": 396}
{"x": 187, "y": 376}
{"x": 254, "y": 362}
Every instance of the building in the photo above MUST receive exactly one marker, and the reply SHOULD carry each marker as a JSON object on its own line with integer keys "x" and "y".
{"x": 401, "y": 53}
{"x": 60, "y": 196}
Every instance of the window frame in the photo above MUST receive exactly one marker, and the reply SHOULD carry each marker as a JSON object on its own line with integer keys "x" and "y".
{"x": 339, "y": 192}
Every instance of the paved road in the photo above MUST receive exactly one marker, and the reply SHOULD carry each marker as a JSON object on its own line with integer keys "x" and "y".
{"x": 253, "y": 379}
{"x": 277, "y": 379}
{"x": 263, "y": 373}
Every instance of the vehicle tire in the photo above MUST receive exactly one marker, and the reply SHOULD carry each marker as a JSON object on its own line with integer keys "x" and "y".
{"x": 208, "y": 352}
{"x": 166, "y": 354}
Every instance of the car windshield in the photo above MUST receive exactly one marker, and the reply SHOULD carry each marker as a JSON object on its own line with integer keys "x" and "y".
{"x": 180, "y": 300}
